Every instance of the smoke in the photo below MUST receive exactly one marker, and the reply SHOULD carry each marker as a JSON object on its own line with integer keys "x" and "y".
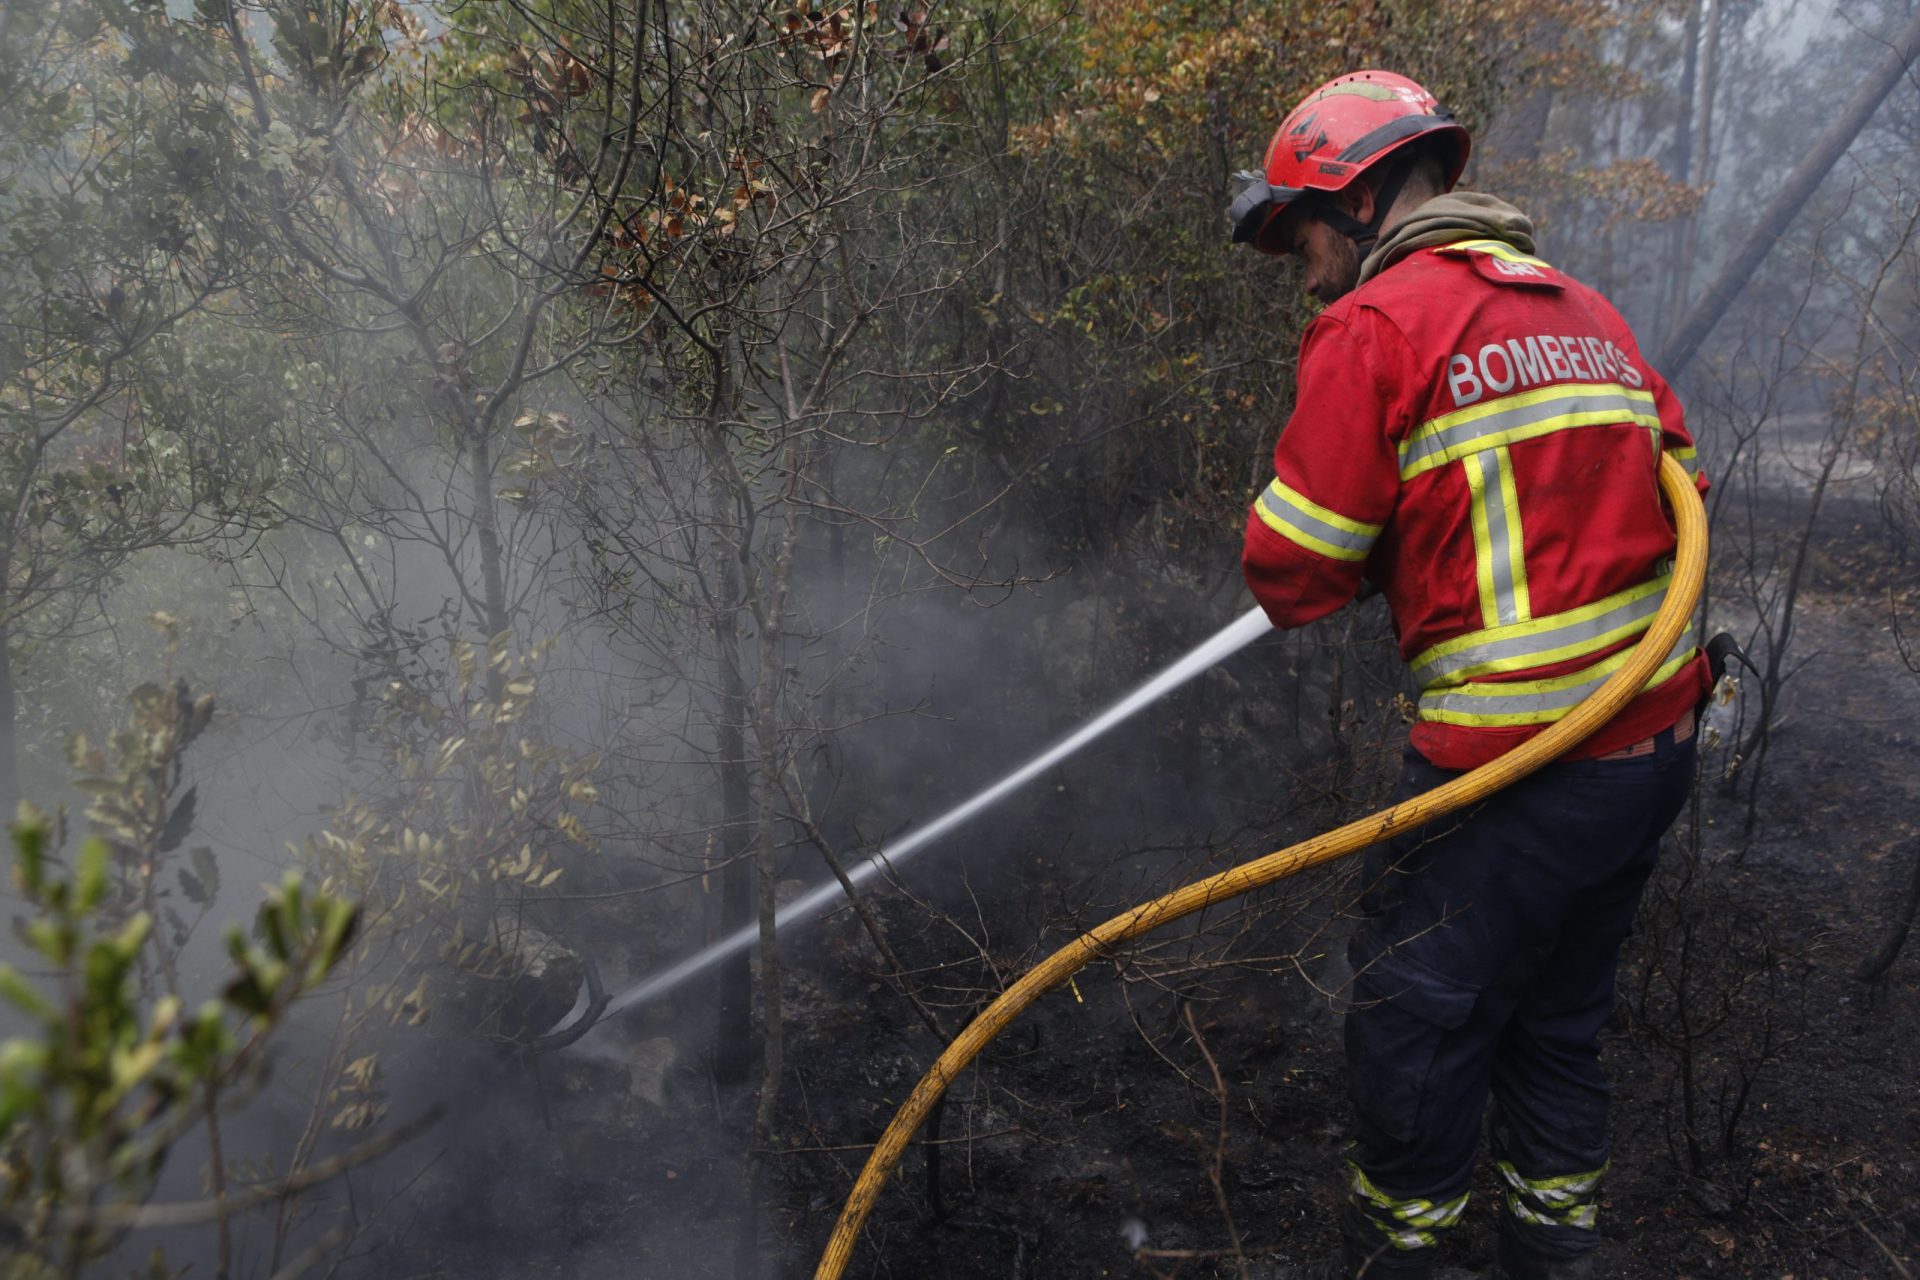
{"x": 977, "y": 560}
{"x": 1224, "y": 644}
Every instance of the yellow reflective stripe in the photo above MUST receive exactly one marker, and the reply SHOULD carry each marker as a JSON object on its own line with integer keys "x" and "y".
{"x": 1689, "y": 457}
{"x": 1524, "y": 415}
{"x": 1409, "y": 1240}
{"x": 1584, "y": 1216}
{"x": 1572, "y": 633}
{"x": 1494, "y": 248}
{"x": 1364, "y": 1189}
{"x": 1584, "y": 1183}
{"x": 1499, "y": 550}
{"x": 1511, "y": 571}
{"x": 1527, "y": 702}
{"x": 1568, "y": 1200}
{"x": 1421, "y": 1213}
{"x": 1300, "y": 520}
{"x": 1476, "y": 470}
{"x": 1407, "y": 1224}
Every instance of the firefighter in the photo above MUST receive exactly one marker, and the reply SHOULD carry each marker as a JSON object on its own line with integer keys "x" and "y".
{"x": 1478, "y": 435}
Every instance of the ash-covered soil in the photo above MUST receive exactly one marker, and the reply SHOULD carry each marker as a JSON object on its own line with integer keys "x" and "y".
{"x": 1767, "y": 1117}
{"x": 1740, "y": 1015}
{"x": 1183, "y": 1105}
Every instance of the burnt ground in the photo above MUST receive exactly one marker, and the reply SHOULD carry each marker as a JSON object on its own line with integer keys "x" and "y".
{"x": 1767, "y": 1115}
{"x": 1739, "y": 987}
{"x": 1740, "y": 1017}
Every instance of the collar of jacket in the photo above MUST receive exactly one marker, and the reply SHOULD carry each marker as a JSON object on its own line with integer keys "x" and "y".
{"x": 1461, "y": 215}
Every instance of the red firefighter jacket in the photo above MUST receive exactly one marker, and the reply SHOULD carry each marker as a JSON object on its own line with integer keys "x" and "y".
{"x": 1479, "y": 435}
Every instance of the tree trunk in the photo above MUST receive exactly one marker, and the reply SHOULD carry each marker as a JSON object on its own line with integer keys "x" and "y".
{"x": 1702, "y": 157}
{"x": 492, "y": 579}
{"x": 1792, "y": 197}
{"x": 1698, "y": 155}
{"x": 733, "y": 1035}
{"x": 766, "y": 819}
{"x": 9, "y": 726}
{"x": 1681, "y": 169}
{"x": 1682, "y": 164}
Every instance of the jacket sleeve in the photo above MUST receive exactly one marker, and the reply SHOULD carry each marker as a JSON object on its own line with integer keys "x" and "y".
{"x": 1674, "y": 436}
{"x": 1336, "y": 477}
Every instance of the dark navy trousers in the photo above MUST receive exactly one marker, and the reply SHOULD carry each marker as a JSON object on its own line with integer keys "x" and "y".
{"x": 1484, "y": 971}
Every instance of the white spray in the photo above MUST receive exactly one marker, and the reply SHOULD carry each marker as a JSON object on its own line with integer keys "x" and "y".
{"x": 1229, "y": 641}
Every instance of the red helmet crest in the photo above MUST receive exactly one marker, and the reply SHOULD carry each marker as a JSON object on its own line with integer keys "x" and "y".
{"x": 1342, "y": 129}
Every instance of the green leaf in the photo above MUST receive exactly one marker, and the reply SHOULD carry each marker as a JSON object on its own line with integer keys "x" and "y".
{"x": 249, "y": 995}
{"x": 337, "y": 924}
{"x": 276, "y": 930}
{"x": 22, "y": 1062}
{"x": 134, "y": 935}
{"x": 23, "y": 996}
{"x": 30, "y": 844}
{"x": 105, "y": 971}
{"x": 91, "y": 881}
{"x": 54, "y": 939}
{"x": 203, "y": 1041}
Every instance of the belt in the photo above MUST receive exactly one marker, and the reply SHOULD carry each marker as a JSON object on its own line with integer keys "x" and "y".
{"x": 1673, "y": 735}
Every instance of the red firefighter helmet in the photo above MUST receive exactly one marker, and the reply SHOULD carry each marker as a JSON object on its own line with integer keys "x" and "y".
{"x": 1342, "y": 129}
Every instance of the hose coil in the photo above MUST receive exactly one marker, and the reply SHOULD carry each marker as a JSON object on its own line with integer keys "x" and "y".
{"x": 1689, "y": 575}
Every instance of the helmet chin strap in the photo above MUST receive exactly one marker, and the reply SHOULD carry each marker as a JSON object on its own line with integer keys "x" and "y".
{"x": 1363, "y": 234}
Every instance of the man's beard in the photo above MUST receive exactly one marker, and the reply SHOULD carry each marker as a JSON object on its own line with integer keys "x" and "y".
{"x": 1344, "y": 274}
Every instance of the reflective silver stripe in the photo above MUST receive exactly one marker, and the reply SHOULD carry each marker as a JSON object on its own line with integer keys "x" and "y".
{"x": 1292, "y": 516}
{"x": 1561, "y": 1188}
{"x": 1585, "y": 1215}
{"x": 1568, "y": 1200}
{"x": 1536, "y": 701}
{"x": 1407, "y": 1224}
{"x": 1420, "y": 1213}
{"x": 1689, "y": 459}
{"x": 1555, "y": 638}
{"x": 1407, "y": 1241}
{"x": 1497, "y": 533}
{"x": 1523, "y": 417}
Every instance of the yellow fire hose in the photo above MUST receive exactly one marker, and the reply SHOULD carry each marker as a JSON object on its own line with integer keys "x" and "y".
{"x": 1689, "y": 573}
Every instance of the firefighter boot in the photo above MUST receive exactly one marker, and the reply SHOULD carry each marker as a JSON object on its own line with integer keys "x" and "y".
{"x": 1388, "y": 1237}
{"x": 1521, "y": 1260}
{"x": 1547, "y": 1224}
{"x": 1300, "y": 1271}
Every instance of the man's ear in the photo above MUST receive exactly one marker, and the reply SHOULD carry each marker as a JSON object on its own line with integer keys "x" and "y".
{"x": 1359, "y": 201}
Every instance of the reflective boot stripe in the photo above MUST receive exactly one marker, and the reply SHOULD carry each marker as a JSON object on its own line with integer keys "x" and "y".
{"x": 1570, "y": 1200}
{"x": 1413, "y": 1223}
